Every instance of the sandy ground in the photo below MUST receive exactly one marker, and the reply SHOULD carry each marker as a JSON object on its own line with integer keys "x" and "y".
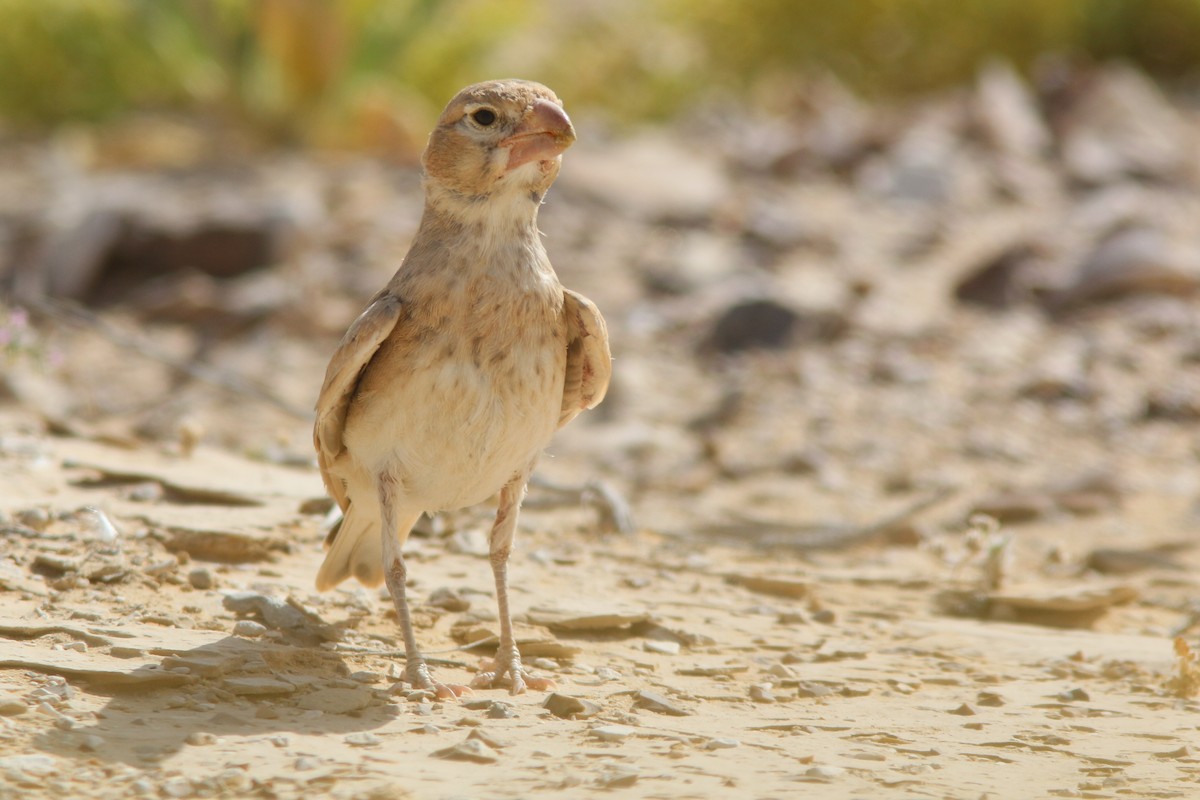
{"x": 912, "y": 548}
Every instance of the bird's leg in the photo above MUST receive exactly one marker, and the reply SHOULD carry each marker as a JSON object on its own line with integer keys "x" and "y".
{"x": 508, "y": 657}
{"x": 396, "y": 575}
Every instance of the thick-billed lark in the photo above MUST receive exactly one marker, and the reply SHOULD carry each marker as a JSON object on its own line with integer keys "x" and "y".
{"x": 448, "y": 386}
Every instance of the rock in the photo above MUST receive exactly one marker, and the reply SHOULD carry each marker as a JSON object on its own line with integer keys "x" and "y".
{"x": 1073, "y": 695}
{"x": 659, "y": 704}
{"x": 1117, "y": 561}
{"x": 721, "y": 743}
{"x": 1002, "y": 279}
{"x": 618, "y": 776}
{"x": 200, "y": 738}
{"x": 448, "y": 599}
{"x": 990, "y": 699}
{"x": 28, "y": 769}
{"x": 34, "y": 518}
{"x": 490, "y": 739}
{"x": 11, "y": 705}
{"x": 810, "y": 689}
{"x": 249, "y": 628}
{"x": 1014, "y": 507}
{"x": 824, "y": 772}
{"x": 1124, "y": 126}
{"x": 499, "y": 710}
{"x": 751, "y": 325}
{"x": 91, "y": 743}
{"x": 362, "y": 739}
{"x": 964, "y": 710}
{"x": 201, "y": 578}
{"x": 1058, "y": 607}
{"x": 255, "y": 685}
{"x": 177, "y": 787}
{"x": 469, "y": 750}
{"x": 1007, "y": 113}
{"x": 774, "y": 586}
{"x": 1132, "y": 260}
{"x": 567, "y": 707}
{"x": 469, "y": 542}
{"x": 666, "y": 648}
{"x": 709, "y": 670}
{"x": 612, "y": 733}
{"x": 336, "y": 701}
{"x": 761, "y": 693}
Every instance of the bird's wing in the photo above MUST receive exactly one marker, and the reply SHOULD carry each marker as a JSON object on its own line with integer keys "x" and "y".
{"x": 589, "y": 364}
{"x": 356, "y": 350}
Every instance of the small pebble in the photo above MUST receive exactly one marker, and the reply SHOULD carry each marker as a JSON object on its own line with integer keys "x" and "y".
{"x": 783, "y": 671}
{"x": 658, "y": 646}
{"x": 363, "y": 740}
{"x": 469, "y": 750}
{"x": 177, "y": 787}
{"x": 499, "y": 710}
{"x": 11, "y": 705}
{"x": 761, "y": 693}
{"x": 448, "y": 599}
{"x": 36, "y": 518}
{"x": 249, "y": 628}
{"x": 91, "y": 743}
{"x": 201, "y": 738}
{"x": 567, "y": 707}
{"x": 612, "y": 733}
{"x": 721, "y": 744}
{"x": 201, "y": 578}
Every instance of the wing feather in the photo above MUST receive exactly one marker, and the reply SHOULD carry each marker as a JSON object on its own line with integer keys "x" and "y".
{"x": 589, "y": 363}
{"x": 357, "y": 348}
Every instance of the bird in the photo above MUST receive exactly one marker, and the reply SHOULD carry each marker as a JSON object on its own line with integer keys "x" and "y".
{"x": 449, "y": 385}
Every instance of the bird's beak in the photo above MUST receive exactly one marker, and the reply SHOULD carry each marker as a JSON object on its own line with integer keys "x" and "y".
{"x": 543, "y": 134}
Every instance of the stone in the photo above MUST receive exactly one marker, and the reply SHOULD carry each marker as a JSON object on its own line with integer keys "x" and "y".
{"x": 659, "y": 704}
{"x": 201, "y": 578}
{"x": 469, "y": 750}
{"x": 612, "y": 733}
{"x": 11, "y": 705}
{"x": 567, "y": 707}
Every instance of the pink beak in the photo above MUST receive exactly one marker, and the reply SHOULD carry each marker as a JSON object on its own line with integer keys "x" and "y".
{"x": 543, "y": 135}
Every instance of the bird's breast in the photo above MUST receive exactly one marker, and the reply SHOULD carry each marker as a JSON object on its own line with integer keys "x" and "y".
{"x": 457, "y": 408}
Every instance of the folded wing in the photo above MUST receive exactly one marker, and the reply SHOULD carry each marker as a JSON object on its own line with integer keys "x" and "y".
{"x": 589, "y": 364}
{"x": 355, "y": 352}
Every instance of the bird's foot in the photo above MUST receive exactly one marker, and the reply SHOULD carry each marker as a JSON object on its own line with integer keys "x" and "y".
{"x": 417, "y": 674}
{"x": 493, "y": 675}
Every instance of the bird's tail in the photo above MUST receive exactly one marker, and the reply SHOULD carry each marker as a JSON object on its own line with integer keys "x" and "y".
{"x": 355, "y": 550}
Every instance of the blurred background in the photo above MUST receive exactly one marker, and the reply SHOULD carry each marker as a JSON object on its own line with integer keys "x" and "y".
{"x": 846, "y": 250}
{"x": 373, "y": 73}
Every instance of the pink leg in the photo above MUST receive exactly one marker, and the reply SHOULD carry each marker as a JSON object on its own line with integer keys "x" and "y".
{"x": 396, "y": 575}
{"x": 508, "y": 657}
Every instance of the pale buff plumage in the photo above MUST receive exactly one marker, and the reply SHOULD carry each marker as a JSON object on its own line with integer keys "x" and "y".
{"x": 452, "y": 381}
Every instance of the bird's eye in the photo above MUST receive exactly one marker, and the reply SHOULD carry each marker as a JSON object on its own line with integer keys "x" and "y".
{"x": 484, "y": 116}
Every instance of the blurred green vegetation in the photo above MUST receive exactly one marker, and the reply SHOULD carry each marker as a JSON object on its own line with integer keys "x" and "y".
{"x": 361, "y": 71}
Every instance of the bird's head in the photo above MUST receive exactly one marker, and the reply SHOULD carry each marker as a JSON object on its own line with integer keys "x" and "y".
{"x": 498, "y": 139}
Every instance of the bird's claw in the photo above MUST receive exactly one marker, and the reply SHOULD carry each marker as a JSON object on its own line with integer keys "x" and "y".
{"x": 419, "y": 678}
{"x": 494, "y": 674}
